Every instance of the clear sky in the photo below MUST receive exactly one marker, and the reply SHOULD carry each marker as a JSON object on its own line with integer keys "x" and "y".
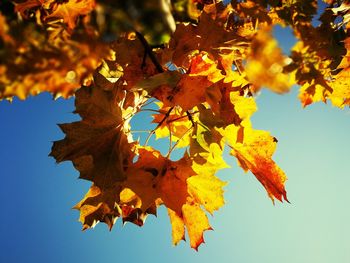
{"x": 37, "y": 223}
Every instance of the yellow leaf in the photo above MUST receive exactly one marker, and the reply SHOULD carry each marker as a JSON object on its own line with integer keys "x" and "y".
{"x": 254, "y": 153}
{"x": 178, "y": 227}
{"x": 196, "y": 223}
{"x": 310, "y": 93}
{"x": 181, "y": 189}
{"x": 265, "y": 63}
{"x": 244, "y": 107}
{"x": 4, "y": 31}
{"x": 71, "y": 10}
{"x": 341, "y": 89}
{"x": 177, "y": 123}
{"x": 206, "y": 189}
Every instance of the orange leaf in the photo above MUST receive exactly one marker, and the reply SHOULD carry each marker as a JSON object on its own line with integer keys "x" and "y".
{"x": 71, "y": 10}
{"x": 254, "y": 153}
{"x": 266, "y": 62}
{"x": 196, "y": 222}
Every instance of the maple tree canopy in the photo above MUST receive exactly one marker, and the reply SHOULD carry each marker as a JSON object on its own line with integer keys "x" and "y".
{"x": 195, "y": 66}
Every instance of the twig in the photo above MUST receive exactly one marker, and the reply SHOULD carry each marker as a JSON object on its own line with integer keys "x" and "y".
{"x": 143, "y": 64}
{"x": 170, "y": 137}
{"x": 159, "y": 124}
{"x": 148, "y": 103}
{"x": 139, "y": 131}
{"x": 181, "y": 117}
{"x": 200, "y": 124}
{"x": 178, "y": 141}
{"x": 190, "y": 118}
{"x": 149, "y": 52}
{"x": 237, "y": 66}
{"x": 158, "y": 111}
{"x": 158, "y": 46}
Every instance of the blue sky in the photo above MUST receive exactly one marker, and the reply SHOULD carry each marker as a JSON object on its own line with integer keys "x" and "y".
{"x": 37, "y": 223}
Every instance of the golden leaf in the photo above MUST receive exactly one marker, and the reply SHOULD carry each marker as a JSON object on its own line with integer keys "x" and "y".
{"x": 265, "y": 64}
{"x": 71, "y": 10}
{"x": 254, "y": 153}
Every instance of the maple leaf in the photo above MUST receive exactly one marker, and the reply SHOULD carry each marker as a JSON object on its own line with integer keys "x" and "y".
{"x": 207, "y": 36}
{"x": 32, "y": 64}
{"x": 167, "y": 78}
{"x": 238, "y": 77}
{"x": 196, "y": 222}
{"x": 99, "y": 206}
{"x": 265, "y": 64}
{"x": 101, "y": 149}
{"x": 154, "y": 176}
{"x": 255, "y": 10}
{"x": 254, "y": 153}
{"x": 319, "y": 83}
{"x": 71, "y": 10}
{"x": 204, "y": 80}
{"x": 4, "y": 30}
{"x": 136, "y": 66}
{"x": 340, "y": 95}
{"x": 202, "y": 73}
{"x": 313, "y": 92}
{"x": 109, "y": 204}
{"x": 177, "y": 125}
{"x": 25, "y": 7}
{"x": 98, "y": 145}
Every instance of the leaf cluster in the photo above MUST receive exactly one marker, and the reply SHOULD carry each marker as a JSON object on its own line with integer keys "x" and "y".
{"x": 199, "y": 77}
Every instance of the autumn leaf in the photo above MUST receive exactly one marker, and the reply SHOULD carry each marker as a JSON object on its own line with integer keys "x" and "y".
{"x": 177, "y": 125}
{"x": 168, "y": 78}
{"x": 98, "y": 145}
{"x": 254, "y": 153}
{"x": 198, "y": 84}
{"x": 153, "y": 177}
{"x": 202, "y": 73}
{"x": 208, "y": 36}
{"x": 196, "y": 223}
{"x": 340, "y": 95}
{"x": 265, "y": 64}
{"x": 25, "y": 7}
{"x": 4, "y": 30}
{"x": 69, "y": 11}
{"x": 102, "y": 149}
{"x": 39, "y": 65}
{"x": 98, "y": 206}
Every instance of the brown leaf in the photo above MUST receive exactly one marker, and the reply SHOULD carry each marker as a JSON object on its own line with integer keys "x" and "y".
{"x": 98, "y": 146}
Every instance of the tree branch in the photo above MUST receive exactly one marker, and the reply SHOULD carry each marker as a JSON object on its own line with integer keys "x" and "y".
{"x": 149, "y": 52}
